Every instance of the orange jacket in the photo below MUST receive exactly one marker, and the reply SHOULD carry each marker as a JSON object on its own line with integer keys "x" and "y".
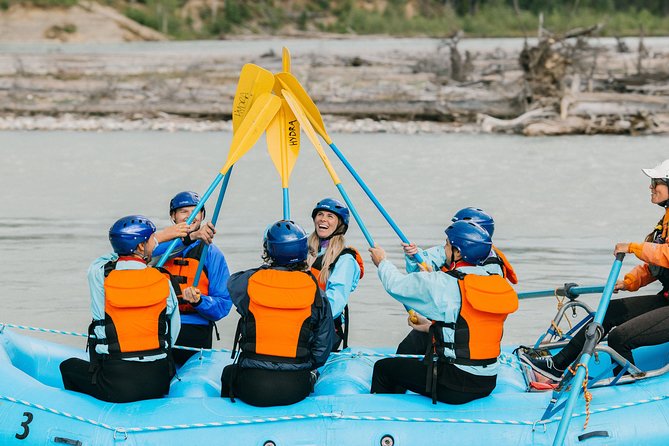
{"x": 135, "y": 307}
{"x": 183, "y": 269}
{"x": 650, "y": 253}
{"x": 486, "y": 302}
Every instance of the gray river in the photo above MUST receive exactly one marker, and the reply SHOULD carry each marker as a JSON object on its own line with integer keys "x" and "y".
{"x": 560, "y": 205}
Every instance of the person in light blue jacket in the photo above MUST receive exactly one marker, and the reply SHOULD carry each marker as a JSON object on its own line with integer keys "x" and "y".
{"x": 459, "y": 372}
{"x": 337, "y": 267}
{"x": 135, "y": 321}
{"x": 417, "y": 340}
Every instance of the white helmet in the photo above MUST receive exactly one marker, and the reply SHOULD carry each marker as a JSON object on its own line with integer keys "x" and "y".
{"x": 659, "y": 171}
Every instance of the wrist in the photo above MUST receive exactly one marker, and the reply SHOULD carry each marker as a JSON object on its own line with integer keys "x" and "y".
{"x": 187, "y": 240}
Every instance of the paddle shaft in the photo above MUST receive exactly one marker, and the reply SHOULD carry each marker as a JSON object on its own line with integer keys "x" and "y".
{"x": 214, "y": 219}
{"x": 419, "y": 259}
{"x": 577, "y": 290}
{"x": 190, "y": 219}
{"x": 308, "y": 129}
{"x": 585, "y": 357}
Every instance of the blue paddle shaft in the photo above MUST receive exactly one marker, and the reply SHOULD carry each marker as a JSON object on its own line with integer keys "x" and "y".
{"x": 370, "y": 194}
{"x": 577, "y": 290}
{"x": 585, "y": 357}
{"x": 214, "y": 219}
{"x": 286, "y": 204}
{"x": 197, "y": 209}
{"x": 362, "y": 226}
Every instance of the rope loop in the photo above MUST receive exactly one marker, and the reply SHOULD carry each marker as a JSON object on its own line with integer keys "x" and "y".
{"x": 587, "y": 396}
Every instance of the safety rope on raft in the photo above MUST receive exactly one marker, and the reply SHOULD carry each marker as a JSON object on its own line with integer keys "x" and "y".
{"x": 124, "y": 431}
{"x": 503, "y": 358}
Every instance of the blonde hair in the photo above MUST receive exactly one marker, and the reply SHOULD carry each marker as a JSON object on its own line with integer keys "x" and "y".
{"x": 335, "y": 247}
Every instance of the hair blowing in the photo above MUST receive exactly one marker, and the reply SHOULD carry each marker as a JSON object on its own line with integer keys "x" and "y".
{"x": 335, "y": 247}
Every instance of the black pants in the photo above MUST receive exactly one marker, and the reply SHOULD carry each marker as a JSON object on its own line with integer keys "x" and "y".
{"x": 454, "y": 386}
{"x": 192, "y": 335}
{"x": 638, "y": 321}
{"x": 415, "y": 343}
{"x": 116, "y": 380}
{"x": 264, "y": 388}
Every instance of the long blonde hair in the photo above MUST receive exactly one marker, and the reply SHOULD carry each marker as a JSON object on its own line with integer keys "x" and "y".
{"x": 335, "y": 247}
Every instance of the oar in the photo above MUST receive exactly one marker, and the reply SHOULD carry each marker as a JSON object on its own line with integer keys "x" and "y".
{"x": 253, "y": 125}
{"x": 283, "y": 145}
{"x": 291, "y": 84}
{"x": 253, "y": 81}
{"x": 283, "y": 140}
{"x": 311, "y": 134}
{"x": 592, "y": 336}
{"x": 571, "y": 292}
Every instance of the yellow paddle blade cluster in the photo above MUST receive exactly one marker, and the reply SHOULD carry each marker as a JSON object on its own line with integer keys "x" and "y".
{"x": 290, "y": 83}
{"x": 253, "y": 125}
{"x": 309, "y": 130}
{"x": 253, "y": 81}
{"x": 283, "y": 141}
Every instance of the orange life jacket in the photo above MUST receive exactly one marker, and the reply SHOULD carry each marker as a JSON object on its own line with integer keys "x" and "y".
{"x": 278, "y": 326}
{"x": 501, "y": 260}
{"x": 318, "y": 264}
{"x": 183, "y": 269}
{"x": 660, "y": 236}
{"x": 135, "y": 312}
{"x": 486, "y": 302}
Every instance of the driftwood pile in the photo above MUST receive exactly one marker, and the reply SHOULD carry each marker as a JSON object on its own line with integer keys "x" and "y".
{"x": 562, "y": 84}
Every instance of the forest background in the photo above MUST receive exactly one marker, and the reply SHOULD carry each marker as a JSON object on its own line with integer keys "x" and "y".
{"x": 216, "y": 19}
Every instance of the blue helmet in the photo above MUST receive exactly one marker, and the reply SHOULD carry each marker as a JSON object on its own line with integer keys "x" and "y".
{"x": 184, "y": 199}
{"x": 335, "y": 206}
{"x": 476, "y": 215}
{"x": 130, "y": 231}
{"x": 471, "y": 239}
{"x": 286, "y": 242}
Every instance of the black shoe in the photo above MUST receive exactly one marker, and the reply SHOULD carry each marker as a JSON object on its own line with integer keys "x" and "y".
{"x": 542, "y": 365}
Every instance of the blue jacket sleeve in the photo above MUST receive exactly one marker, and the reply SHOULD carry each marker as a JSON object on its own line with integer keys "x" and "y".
{"x": 217, "y": 304}
{"x": 160, "y": 249}
{"x": 323, "y": 335}
{"x": 435, "y": 258}
{"x": 342, "y": 281}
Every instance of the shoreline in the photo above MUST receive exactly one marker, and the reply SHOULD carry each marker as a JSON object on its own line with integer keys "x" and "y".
{"x": 173, "y": 123}
{"x": 568, "y": 86}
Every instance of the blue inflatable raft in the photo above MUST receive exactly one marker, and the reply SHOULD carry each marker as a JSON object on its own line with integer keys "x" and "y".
{"x": 36, "y": 410}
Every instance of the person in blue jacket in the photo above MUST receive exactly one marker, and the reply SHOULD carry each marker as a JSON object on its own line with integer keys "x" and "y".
{"x": 285, "y": 332}
{"x": 466, "y": 306}
{"x": 200, "y": 306}
{"x": 135, "y": 321}
{"x": 337, "y": 267}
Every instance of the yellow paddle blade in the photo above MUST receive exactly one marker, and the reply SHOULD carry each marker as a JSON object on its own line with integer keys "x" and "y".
{"x": 283, "y": 141}
{"x": 311, "y": 133}
{"x": 285, "y": 64}
{"x": 254, "y": 124}
{"x": 285, "y": 59}
{"x": 253, "y": 81}
{"x": 290, "y": 83}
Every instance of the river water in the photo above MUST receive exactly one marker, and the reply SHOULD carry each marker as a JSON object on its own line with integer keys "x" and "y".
{"x": 560, "y": 205}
